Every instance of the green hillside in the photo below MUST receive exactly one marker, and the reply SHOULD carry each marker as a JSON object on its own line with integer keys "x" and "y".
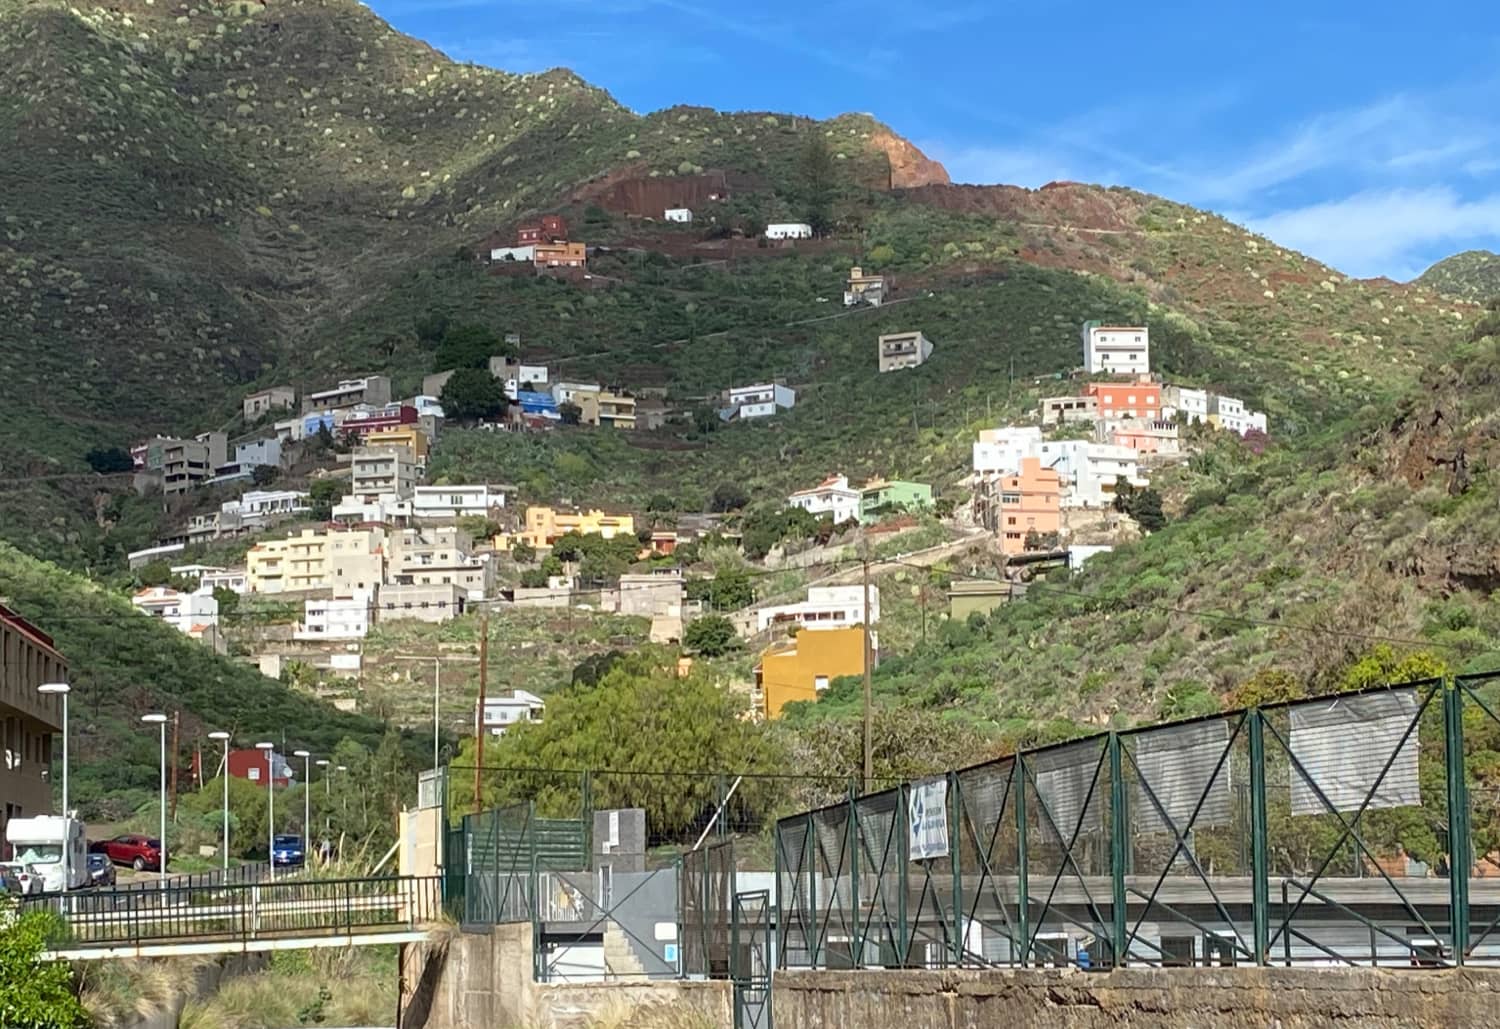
{"x": 1473, "y": 275}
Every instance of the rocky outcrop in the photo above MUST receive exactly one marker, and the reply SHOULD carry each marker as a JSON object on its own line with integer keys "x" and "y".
{"x": 909, "y": 166}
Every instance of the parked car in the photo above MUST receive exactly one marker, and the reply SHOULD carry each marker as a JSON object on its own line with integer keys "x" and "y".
{"x": 23, "y": 879}
{"x": 101, "y": 870}
{"x": 137, "y": 851}
{"x": 287, "y": 851}
{"x": 10, "y": 879}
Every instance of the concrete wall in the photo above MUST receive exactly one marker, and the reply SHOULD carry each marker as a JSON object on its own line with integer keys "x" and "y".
{"x": 475, "y": 979}
{"x": 1237, "y": 998}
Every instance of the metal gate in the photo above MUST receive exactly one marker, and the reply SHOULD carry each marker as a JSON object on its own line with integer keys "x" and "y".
{"x": 751, "y": 960}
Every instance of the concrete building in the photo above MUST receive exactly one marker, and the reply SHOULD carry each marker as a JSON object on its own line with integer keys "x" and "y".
{"x": 1068, "y": 410}
{"x": 1191, "y": 404}
{"x": 560, "y": 255}
{"x": 409, "y": 439}
{"x": 616, "y": 410}
{"x": 833, "y": 497}
{"x": 1231, "y": 415}
{"x": 826, "y": 607}
{"x": 256, "y": 765}
{"x": 291, "y": 430}
{"x": 544, "y": 527}
{"x": 185, "y": 463}
{"x": 374, "y": 390}
{"x": 518, "y": 254}
{"x": 194, "y": 614}
{"x": 264, "y": 401}
{"x": 345, "y": 560}
{"x": 423, "y": 603}
{"x": 1146, "y": 437}
{"x": 344, "y": 617}
{"x": 259, "y": 508}
{"x": 520, "y": 376}
{"x": 258, "y": 452}
{"x": 651, "y": 594}
{"x": 549, "y": 229}
{"x": 385, "y": 509}
{"x": 1089, "y": 470}
{"x": 439, "y": 503}
{"x": 1116, "y": 349}
{"x": 759, "y": 401}
{"x": 1030, "y": 504}
{"x": 970, "y": 596}
{"x": 1001, "y": 450}
{"x": 28, "y": 719}
{"x": 1138, "y": 399}
{"x": 440, "y": 556}
{"x": 803, "y": 667}
{"x": 382, "y": 470}
{"x": 680, "y": 215}
{"x": 863, "y": 289}
{"x": 511, "y": 708}
{"x": 880, "y": 496}
{"x": 236, "y": 580}
{"x": 574, "y": 392}
{"x": 789, "y": 230}
{"x": 900, "y": 350}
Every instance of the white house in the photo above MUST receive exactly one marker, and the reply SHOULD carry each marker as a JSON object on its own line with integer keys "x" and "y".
{"x": 998, "y": 451}
{"x": 789, "y": 230}
{"x": 336, "y": 618}
{"x": 679, "y": 214}
{"x": 236, "y": 580}
{"x": 258, "y": 452}
{"x": 759, "y": 401}
{"x": 1116, "y": 349}
{"x": 259, "y": 507}
{"x": 833, "y": 496}
{"x": 518, "y": 375}
{"x": 1230, "y": 414}
{"x": 826, "y": 607}
{"x": 1088, "y": 470}
{"x": 194, "y": 614}
{"x": 1192, "y": 404}
{"x": 449, "y": 502}
{"x": 383, "y": 507}
{"x": 502, "y": 712}
{"x": 526, "y": 255}
{"x": 427, "y": 406}
{"x": 569, "y": 392}
{"x": 900, "y": 350}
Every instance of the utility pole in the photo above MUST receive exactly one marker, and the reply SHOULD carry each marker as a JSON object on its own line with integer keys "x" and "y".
{"x": 176, "y": 721}
{"x": 869, "y": 755}
{"x": 484, "y": 666}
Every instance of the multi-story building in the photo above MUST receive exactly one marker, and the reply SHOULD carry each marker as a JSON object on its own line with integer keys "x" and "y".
{"x": 833, "y": 497}
{"x": 881, "y": 496}
{"x": 1231, "y": 415}
{"x": 1001, "y": 450}
{"x": 360, "y": 422}
{"x": 900, "y": 350}
{"x": 544, "y": 527}
{"x": 511, "y": 708}
{"x": 561, "y": 255}
{"x": 1068, "y": 410}
{"x": 260, "y": 508}
{"x": 385, "y": 509}
{"x": 345, "y": 617}
{"x": 347, "y": 560}
{"x": 1116, "y": 400}
{"x": 184, "y": 463}
{"x": 263, "y": 401}
{"x": 374, "y": 390}
{"x": 826, "y": 607}
{"x": 236, "y": 580}
{"x": 1116, "y": 349}
{"x": 1020, "y": 507}
{"x": 423, "y": 603}
{"x": 863, "y": 289}
{"x": 759, "y": 401}
{"x": 1146, "y": 437}
{"x": 1191, "y": 404}
{"x": 410, "y": 439}
{"x": 803, "y": 667}
{"x": 28, "y": 719}
{"x": 440, "y": 556}
{"x": 194, "y": 614}
{"x": 551, "y": 228}
{"x": 382, "y": 470}
{"x": 1089, "y": 470}
{"x": 574, "y": 392}
{"x": 518, "y": 376}
{"x": 616, "y": 410}
{"x": 445, "y": 503}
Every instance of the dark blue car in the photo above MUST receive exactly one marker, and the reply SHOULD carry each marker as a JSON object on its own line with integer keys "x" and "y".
{"x": 286, "y": 852}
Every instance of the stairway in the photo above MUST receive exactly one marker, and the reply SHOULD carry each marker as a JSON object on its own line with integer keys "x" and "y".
{"x": 620, "y": 960}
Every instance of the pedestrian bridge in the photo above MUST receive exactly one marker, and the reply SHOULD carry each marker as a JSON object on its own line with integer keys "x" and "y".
{"x": 224, "y": 918}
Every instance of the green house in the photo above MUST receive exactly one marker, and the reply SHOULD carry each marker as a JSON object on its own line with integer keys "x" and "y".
{"x": 880, "y": 497}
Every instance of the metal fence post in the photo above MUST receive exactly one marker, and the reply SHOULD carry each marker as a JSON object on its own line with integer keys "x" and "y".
{"x": 809, "y": 849}
{"x": 1260, "y": 884}
{"x": 781, "y": 909}
{"x": 1118, "y": 850}
{"x": 721, "y": 801}
{"x": 955, "y": 827}
{"x": 1459, "y": 842}
{"x": 856, "y": 937}
{"x": 1023, "y": 887}
{"x": 900, "y": 824}
{"x": 586, "y": 804}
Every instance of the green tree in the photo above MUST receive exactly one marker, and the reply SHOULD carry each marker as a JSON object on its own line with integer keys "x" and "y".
{"x": 816, "y": 184}
{"x": 431, "y": 327}
{"x": 229, "y": 600}
{"x": 660, "y": 503}
{"x": 706, "y": 419}
{"x": 534, "y": 579}
{"x": 729, "y": 590}
{"x": 1267, "y": 686}
{"x": 323, "y": 495}
{"x": 1145, "y": 508}
{"x": 109, "y": 460}
{"x": 1384, "y": 665}
{"x": 34, "y": 994}
{"x": 728, "y": 496}
{"x": 471, "y": 394}
{"x": 711, "y": 636}
{"x": 569, "y": 413}
{"x": 522, "y": 553}
{"x": 262, "y": 475}
{"x": 466, "y": 346}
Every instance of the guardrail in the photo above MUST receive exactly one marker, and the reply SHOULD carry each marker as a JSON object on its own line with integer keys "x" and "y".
{"x": 250, "y": 872}
{"x": 243, "y": 911}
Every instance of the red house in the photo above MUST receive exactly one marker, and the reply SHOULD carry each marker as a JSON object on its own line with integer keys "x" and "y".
{"x": 251, "y": 765}
{"x": 551, "y": 229}
{"x": 375, "y": 422}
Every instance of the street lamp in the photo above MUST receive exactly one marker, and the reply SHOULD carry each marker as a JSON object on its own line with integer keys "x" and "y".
{"x": 62, "y": 689}
{"x": 270, "y": 749}
{"x": 306, "y": 800}
{"x": 160, "y": 721}
{"x": 224, "y": 737}
{"x": 345, "y": 768}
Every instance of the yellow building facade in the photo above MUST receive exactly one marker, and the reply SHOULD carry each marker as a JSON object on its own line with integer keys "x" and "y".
{"x": 316, "y": 560}
{"x": 409, "y": 438}
{"x": 801, "y": 668}
{"x": 544, "y": 527}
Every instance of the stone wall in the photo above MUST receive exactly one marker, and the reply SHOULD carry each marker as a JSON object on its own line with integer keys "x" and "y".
{"x": 1225, "y": 998}
{"x": 473, "y": 979}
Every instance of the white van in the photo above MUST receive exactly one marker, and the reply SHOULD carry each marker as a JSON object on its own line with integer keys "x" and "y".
{"x": 40, "y": 842}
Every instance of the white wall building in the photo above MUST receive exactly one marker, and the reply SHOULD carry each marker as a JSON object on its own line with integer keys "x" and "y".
{"x": 1088, "y": 470}
{"x": 789, "y": 230}
{"x": 377, "y": 470}
{"x": 502, "y": 712}
{"x": 569, "y": 392}
{"x": 383, "y": 507}
{"x": 833, "y": 496}
{"x": 759, "y": 401}
{"x": 427, "y": 407}
{"x": 518, "y": 375}
{"x": 336, "y": 618}
{"x": 679, "y": 214}
{"x": 258, "y": 452}
{"x": 1192, "y": 404}
{"x": 194, "y": 614}
{"x": 826, "y": 607}
{"x": 899, "y": 350}
{"x": 449, "y": 502}
{"x": 236, "y": 580}
{"x": 1230, "y": 414}
{"x": 525, "y": 255}
{"x": 1116, "y": 349}
{"x": 258, "y": 507}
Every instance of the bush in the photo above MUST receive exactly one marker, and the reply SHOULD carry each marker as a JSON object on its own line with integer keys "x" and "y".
{"x": 728, "y": 496}
{"x": 109, "y": 460}
{"x": 711, "y": 636}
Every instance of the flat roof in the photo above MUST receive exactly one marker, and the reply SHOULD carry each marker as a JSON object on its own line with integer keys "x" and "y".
{"x": 14, "y": 620}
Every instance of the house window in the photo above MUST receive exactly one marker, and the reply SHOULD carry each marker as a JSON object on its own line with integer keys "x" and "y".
{"x": 820, "y": 683}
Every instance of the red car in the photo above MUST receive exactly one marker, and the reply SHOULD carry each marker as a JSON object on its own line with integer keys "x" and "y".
{"x": 139, "y": 852}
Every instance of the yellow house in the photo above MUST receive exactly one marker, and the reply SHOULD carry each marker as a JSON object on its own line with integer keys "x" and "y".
{"x": 802, "y": 667}
{"x": 544, "y": 526}
{"x": 617, "y": 410}
{"x": 316, "y": 560}
{"x": 409, "y": 438}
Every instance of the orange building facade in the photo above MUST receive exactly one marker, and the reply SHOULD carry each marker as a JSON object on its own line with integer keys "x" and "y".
{"x": 801, "y": 668}
{"x": 1139, "y": 399}
{"x": 1030, "y": 502}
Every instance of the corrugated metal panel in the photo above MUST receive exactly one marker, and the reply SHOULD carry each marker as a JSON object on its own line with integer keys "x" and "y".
{"x": 1063, "y": 781}
{"x": 1344, "y": 742}
{"x": 1178, "y": 764}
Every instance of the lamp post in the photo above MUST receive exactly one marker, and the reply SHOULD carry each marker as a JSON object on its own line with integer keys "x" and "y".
{"x": 345, "y": 768}
{"x": 62, "y": 689}
{"x": 160, "y": 721}
{"x": 323, "y": 764}
{"x": 306, "y": 800}
{"x": 224, "y": 737}
{"x": 270, "y": 749}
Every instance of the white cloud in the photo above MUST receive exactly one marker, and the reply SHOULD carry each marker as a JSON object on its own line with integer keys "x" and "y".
{"x": 1384, "y": 232}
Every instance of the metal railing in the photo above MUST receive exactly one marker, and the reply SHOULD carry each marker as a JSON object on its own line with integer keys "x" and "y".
{"x": 1359, "y": 828}
{"x": 242, "y": 911}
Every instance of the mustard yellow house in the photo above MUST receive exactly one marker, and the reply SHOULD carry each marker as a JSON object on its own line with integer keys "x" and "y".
{"x": 802, "y": 667}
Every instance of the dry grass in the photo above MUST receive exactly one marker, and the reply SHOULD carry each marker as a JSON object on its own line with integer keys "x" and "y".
{"x": 117, "y": 993}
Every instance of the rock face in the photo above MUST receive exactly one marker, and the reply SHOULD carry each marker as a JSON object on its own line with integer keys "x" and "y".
{"x": 909, "y": 166}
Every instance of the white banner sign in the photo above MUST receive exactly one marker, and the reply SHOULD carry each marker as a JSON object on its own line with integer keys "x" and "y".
{"x": 927, "y": 811}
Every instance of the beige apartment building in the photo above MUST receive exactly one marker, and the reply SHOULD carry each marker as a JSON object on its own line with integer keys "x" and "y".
{"x": 28, "y": 719}
{"x": 441, "y": 556}
{"x": 383, "y": 470}
{"x": 344, "y": 561}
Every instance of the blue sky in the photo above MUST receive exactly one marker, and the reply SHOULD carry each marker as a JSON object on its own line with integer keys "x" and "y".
{"x": 1366, "y": 134}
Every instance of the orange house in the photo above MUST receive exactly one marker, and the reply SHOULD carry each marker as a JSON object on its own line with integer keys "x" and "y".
{"x": 802, "y": 667}
{"x": 1029, "y": 502}
{"x": 565, "y": 255}
{"x": 1139, "y": 399}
